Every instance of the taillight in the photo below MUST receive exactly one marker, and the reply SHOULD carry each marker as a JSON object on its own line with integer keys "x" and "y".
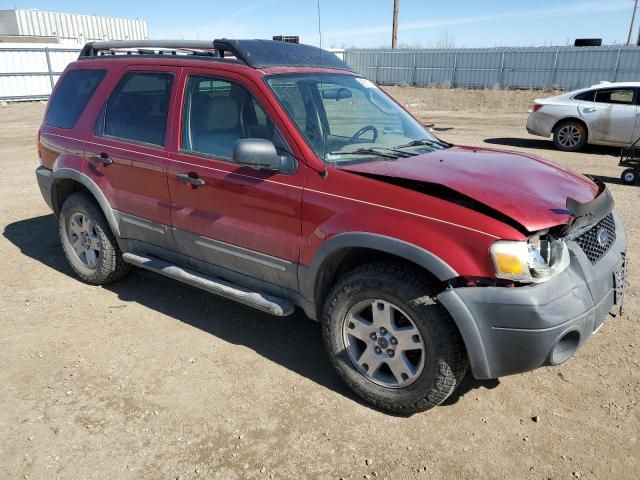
{"x": 536, "y": 106}
{"x": 38, "y": 145}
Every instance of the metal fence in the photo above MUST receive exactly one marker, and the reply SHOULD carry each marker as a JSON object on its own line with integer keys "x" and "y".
{"x": 540, "y": 67}
{"x": 30, "y": 73}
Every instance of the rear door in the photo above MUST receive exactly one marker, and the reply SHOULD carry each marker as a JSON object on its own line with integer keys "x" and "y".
{"x": 126, "y": 151}
{"x": 611, "y": 115}
{"x": 241, "y": 219}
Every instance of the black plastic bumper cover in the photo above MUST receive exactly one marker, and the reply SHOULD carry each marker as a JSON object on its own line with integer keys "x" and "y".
{"x": 513, "y": 330}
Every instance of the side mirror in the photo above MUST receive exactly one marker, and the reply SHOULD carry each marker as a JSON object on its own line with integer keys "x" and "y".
{"x": 261, "y": 154}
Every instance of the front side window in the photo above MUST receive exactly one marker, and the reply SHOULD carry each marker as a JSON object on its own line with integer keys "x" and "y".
{"x": 217, "y": 113}
{"x": 348, "y": 119}
{"x": 137, "y": 109}
{"x": 618, "y": 96}
{"x": 72, "y": 95}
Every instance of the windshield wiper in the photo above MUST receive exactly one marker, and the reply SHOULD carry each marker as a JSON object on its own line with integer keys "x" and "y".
{"x": 367, "y": 151}
{"x": 423, "y": 141}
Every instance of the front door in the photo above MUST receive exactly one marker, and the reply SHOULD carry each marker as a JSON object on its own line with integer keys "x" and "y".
{"x": 243, "y": 220}
{"x": 126, "y": 152}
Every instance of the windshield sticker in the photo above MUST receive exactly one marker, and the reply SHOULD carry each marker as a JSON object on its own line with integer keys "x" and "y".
{"x": 366, "y": 83}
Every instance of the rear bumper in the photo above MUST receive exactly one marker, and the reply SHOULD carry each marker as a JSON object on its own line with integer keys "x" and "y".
{"x": 513, "y": 330}
{"x": 45, "y": 182}
{"x": 540, "y": 124}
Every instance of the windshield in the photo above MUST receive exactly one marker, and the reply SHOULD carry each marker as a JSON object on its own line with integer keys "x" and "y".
{"x": 347, "y": 119}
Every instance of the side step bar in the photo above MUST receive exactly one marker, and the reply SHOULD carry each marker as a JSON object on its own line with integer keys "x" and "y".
{"x": 261, "y": 301}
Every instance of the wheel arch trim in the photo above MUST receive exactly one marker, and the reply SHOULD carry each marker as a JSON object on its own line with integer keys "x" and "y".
{"x": 309, "y": 277}
{"x": 571, "y": 118}
{"x": 470, "y": 333}
{"x": 92, "y": 187}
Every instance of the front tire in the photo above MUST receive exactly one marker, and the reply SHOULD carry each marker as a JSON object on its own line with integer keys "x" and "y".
{"x": 88, "y": 243}
{"x": 390, "y": 341}
{"x": 570, "y": 136}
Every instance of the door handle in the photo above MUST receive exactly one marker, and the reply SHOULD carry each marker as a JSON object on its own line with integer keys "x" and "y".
{"x": 190, "y": 179}
{"x": 103, "y": 158}
{"x": 589, "y": 110}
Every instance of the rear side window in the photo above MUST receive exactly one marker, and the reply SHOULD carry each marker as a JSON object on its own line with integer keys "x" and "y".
{"x": 72, "y": 96}
{"x": 137, "y": 108}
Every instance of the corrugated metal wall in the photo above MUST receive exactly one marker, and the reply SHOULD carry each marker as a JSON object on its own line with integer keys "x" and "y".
{"x": 25, "y": 73}
{"x": 30, "y": 72}
{"x": 81, "y": 28}
{"x": 559, "y": 67}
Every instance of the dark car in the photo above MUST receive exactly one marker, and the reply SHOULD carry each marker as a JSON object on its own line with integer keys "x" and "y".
{"x": 272, "y": 174}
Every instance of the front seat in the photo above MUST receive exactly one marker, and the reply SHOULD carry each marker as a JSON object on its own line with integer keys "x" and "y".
{"x": 220, "y": 129}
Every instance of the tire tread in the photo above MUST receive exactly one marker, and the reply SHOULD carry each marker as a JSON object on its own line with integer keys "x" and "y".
{"x": 453, "y": 363}
{"x": 111, "y": 266}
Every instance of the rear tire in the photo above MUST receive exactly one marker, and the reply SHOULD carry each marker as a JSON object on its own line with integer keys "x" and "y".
{"x": 629, "y": 176}
{"x": 88, "y": 243}
{"x": 570, "y": 136}
{"x": 394, "y": 304}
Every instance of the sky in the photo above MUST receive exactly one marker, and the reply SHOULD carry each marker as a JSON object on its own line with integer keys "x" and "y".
{"x": 367, "y": 23}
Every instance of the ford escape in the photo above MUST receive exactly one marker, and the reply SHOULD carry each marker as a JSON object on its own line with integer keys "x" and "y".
{"x": 271, "y": 174}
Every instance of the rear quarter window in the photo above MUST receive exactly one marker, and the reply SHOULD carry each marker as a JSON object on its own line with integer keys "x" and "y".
{"x": 586, "y": 96}
{"x": 71, "y": 97}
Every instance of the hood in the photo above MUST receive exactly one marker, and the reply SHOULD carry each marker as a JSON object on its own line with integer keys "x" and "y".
{"x": 530, "y": 191}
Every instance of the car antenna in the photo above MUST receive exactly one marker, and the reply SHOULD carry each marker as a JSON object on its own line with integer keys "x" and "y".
{"x": 324, "y": 173}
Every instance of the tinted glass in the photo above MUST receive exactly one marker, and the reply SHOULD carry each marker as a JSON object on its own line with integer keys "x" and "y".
{"x": 587, "y": 96}
{"x": 217, "y": 113}
{"x": 72, "y": 95}
{"x": 620, "y": 96}
{"x": 137, "y": 109}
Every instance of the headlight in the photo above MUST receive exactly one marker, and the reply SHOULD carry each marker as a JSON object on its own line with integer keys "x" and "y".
{"x": 532, "y": 261}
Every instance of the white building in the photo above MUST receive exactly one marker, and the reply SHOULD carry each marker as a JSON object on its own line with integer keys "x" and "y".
{"x": 36, "y": 46}
{"x": 69, "y": 29}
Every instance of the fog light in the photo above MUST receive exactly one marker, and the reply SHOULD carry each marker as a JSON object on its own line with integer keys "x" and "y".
{"x": 565, "y": 347}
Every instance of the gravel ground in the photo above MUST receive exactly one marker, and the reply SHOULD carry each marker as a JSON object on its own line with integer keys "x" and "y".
{"x": 151, "y": 379}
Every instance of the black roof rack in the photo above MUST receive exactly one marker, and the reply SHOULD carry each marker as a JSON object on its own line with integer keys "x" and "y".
{"x": 145, "y": 47}
{"x": 272, "y": 53}
{"x": 254, "y": 53}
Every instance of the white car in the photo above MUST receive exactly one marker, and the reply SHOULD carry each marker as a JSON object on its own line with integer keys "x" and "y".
{"x": 603, "y": 114}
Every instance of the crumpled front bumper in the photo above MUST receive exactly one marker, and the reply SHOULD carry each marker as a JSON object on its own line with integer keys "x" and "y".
{"x": 513, "y": 330}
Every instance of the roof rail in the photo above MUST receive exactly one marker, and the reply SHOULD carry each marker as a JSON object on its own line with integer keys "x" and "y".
{"x": 254, "y": 53}
{"x": 94, "y": 49}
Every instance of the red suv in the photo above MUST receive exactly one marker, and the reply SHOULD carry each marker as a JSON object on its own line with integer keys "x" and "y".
{"x": 271, "y": 174}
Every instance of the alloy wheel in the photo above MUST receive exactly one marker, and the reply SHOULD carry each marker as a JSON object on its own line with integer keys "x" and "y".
{"x": 569, "y": 136}
{"x": 83, "y": 238}
{"x": 383, "y": 343}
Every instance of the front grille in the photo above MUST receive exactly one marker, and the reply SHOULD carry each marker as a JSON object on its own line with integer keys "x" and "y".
{"x": 597, "y": 241}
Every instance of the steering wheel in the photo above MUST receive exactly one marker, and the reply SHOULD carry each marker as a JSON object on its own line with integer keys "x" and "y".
{"x": 362, "y": 131}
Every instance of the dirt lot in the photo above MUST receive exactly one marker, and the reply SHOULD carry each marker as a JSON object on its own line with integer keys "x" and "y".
{"x": 150, "y": 379}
